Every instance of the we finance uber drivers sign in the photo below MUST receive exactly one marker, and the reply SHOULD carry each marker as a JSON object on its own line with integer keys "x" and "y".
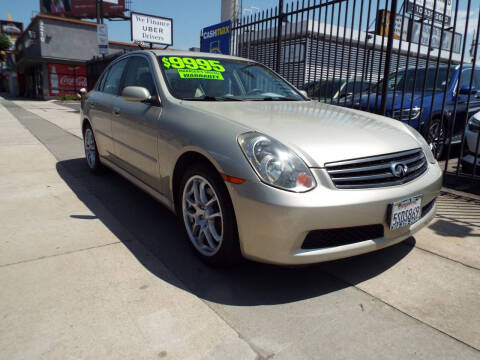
{"x": 216, "y": 38}
{"x": 151, "y": 29}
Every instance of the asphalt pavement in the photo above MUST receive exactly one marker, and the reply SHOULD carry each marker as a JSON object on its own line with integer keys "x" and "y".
{"x": 92, "y": 267}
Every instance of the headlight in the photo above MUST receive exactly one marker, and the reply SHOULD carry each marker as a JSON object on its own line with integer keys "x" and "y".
{"x": 405, "y": 114}
{"x": 474, "y": 122}
{"x": 275, "y": 164}
{"x": 426, "y": 148}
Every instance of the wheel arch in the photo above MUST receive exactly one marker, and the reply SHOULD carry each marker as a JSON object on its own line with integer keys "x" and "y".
{"x": 187, "y": 158}
{"x": 85, "y": 122}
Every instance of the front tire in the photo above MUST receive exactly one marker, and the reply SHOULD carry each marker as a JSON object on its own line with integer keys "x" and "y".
{"x": 91, "y": 151}
{"x": 208, "y": 217}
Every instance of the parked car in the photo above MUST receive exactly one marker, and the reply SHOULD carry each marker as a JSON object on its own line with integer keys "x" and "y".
{"x": 471, "y": 155}
{"x": 250, "y": 165}
{"x": 333, "y": 90}
{"x": 428, "y": 118}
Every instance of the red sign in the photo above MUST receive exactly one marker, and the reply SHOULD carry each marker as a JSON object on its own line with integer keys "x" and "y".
{"x": 66, "y": 79}
{"x": 82, "y": 8}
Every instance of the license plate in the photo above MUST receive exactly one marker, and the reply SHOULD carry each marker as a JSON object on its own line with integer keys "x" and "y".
{"x": 405, "y": 212}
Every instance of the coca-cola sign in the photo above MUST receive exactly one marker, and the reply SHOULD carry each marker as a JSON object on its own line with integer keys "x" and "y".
{"x": 66, "y": 79}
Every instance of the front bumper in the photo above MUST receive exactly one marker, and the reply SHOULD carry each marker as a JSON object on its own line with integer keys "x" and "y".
{"x": 273, "y": 223}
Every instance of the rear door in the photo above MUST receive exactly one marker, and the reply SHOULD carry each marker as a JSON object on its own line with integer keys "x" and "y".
{"x": 135, "y": 124}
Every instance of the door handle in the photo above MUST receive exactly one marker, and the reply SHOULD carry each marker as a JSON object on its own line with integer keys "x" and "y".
{"x": 92, "y": 105}
{"x": 116, "y": 111}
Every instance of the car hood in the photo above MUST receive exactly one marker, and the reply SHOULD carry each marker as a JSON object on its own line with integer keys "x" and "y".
{"x": 320, "y": 133}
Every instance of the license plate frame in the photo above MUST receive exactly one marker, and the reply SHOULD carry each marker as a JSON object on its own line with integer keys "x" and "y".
{"x": 413, "y": 203}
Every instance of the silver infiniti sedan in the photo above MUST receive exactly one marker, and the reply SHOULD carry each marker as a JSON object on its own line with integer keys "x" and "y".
{"x": 251, "y": 166}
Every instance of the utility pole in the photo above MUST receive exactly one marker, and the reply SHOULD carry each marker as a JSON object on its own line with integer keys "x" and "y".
{"x": 473, "y": 46}
{"x": 99, "y": 8}
{"x": 388, "y": 57}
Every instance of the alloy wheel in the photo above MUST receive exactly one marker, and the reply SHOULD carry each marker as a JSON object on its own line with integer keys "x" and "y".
{"x": 202, "y": 215}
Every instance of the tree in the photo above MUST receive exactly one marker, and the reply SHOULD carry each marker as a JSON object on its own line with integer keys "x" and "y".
{"x": 5, "y": 43}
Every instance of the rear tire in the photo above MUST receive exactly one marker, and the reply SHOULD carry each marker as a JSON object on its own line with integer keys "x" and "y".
{"x": 91, "y": 151}
{"x": 207, "y": 214}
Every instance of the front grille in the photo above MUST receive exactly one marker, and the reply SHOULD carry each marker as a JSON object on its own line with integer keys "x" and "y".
{"x": 375, "y": 171}
{"x": 320, "y": 239}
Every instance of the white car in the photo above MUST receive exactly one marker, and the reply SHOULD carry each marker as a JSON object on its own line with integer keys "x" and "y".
{"x": 472, "y": 141}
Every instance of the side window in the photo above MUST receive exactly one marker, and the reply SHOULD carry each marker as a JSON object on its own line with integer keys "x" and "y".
{"x": 465, "y": 80}
{"x": 101, "y": 81}
{"x": 466, "y": 74}
{"x": 476, "y": 79}
{"x": 139, "y": 74}
{"x": 114, "y": 77}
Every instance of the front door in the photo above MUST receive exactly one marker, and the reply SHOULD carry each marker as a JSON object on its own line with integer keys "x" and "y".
{"x": 135, "y": 125}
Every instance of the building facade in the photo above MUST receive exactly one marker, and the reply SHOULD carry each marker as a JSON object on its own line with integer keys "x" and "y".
{"x": 51, "y": 55}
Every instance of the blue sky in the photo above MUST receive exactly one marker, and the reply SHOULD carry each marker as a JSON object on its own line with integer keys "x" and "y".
{"x": 189, "y": 16}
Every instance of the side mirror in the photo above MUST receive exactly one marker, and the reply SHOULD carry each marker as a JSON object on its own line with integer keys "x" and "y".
{"x": 304, "y": 93}
{"x": 466, "y": 89}
{"x": 136, "y": 93}
{"x": 81, "y": 93}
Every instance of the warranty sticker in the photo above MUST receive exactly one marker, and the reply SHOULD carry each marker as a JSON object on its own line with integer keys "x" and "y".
{"x": 199, "y": 74}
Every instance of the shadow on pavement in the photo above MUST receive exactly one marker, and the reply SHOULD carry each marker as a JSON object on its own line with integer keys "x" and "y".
{"x": 157, "y": 229}
{"x": 458, "y": 216}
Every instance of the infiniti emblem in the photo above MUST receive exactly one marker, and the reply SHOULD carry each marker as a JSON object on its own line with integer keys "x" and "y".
{"x": 398, "y": 169}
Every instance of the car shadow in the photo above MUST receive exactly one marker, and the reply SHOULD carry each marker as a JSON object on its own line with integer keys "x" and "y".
{"x": 147, "y": 227}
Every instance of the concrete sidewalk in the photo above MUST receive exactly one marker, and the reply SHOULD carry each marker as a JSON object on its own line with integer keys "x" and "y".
{"x": 92, "y": 268}
{"x": 71, "y": 289}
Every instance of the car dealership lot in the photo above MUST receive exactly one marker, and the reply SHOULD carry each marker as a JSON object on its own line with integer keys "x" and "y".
{"x": 91, "y": 267}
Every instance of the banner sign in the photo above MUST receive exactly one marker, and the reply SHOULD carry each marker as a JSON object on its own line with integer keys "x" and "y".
{"x": 151, "y": 29}
{"x": 216, "y": 38}
{"x": 82, "y": 9}
{"x": 424, "y": 9}
{"x": 66, "y": 79}
{"x": 411, "y": 32}
{"x": 102, "y": 38}
{"x": 382, "y": 25}
{"x": 436, "y": 32}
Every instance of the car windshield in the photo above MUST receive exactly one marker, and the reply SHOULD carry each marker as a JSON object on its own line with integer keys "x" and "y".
{"x": 220, "y": 79}
{"x": 412, "y": 81}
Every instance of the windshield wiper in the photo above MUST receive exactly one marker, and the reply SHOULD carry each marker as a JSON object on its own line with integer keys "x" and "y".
{"x": 270, "y": 98}
{"x": 212, "y": 98}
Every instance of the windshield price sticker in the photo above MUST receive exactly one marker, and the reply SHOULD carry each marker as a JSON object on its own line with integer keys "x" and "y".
{"x": 191, "y": 63}
{"x": 199, "y": 74}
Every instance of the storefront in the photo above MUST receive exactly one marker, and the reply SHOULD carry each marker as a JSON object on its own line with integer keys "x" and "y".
{"x": 52, "y": 53}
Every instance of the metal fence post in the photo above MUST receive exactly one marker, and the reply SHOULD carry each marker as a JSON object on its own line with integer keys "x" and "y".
{"x": 388, "y": 57}
{"x": 279, "y": 35}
